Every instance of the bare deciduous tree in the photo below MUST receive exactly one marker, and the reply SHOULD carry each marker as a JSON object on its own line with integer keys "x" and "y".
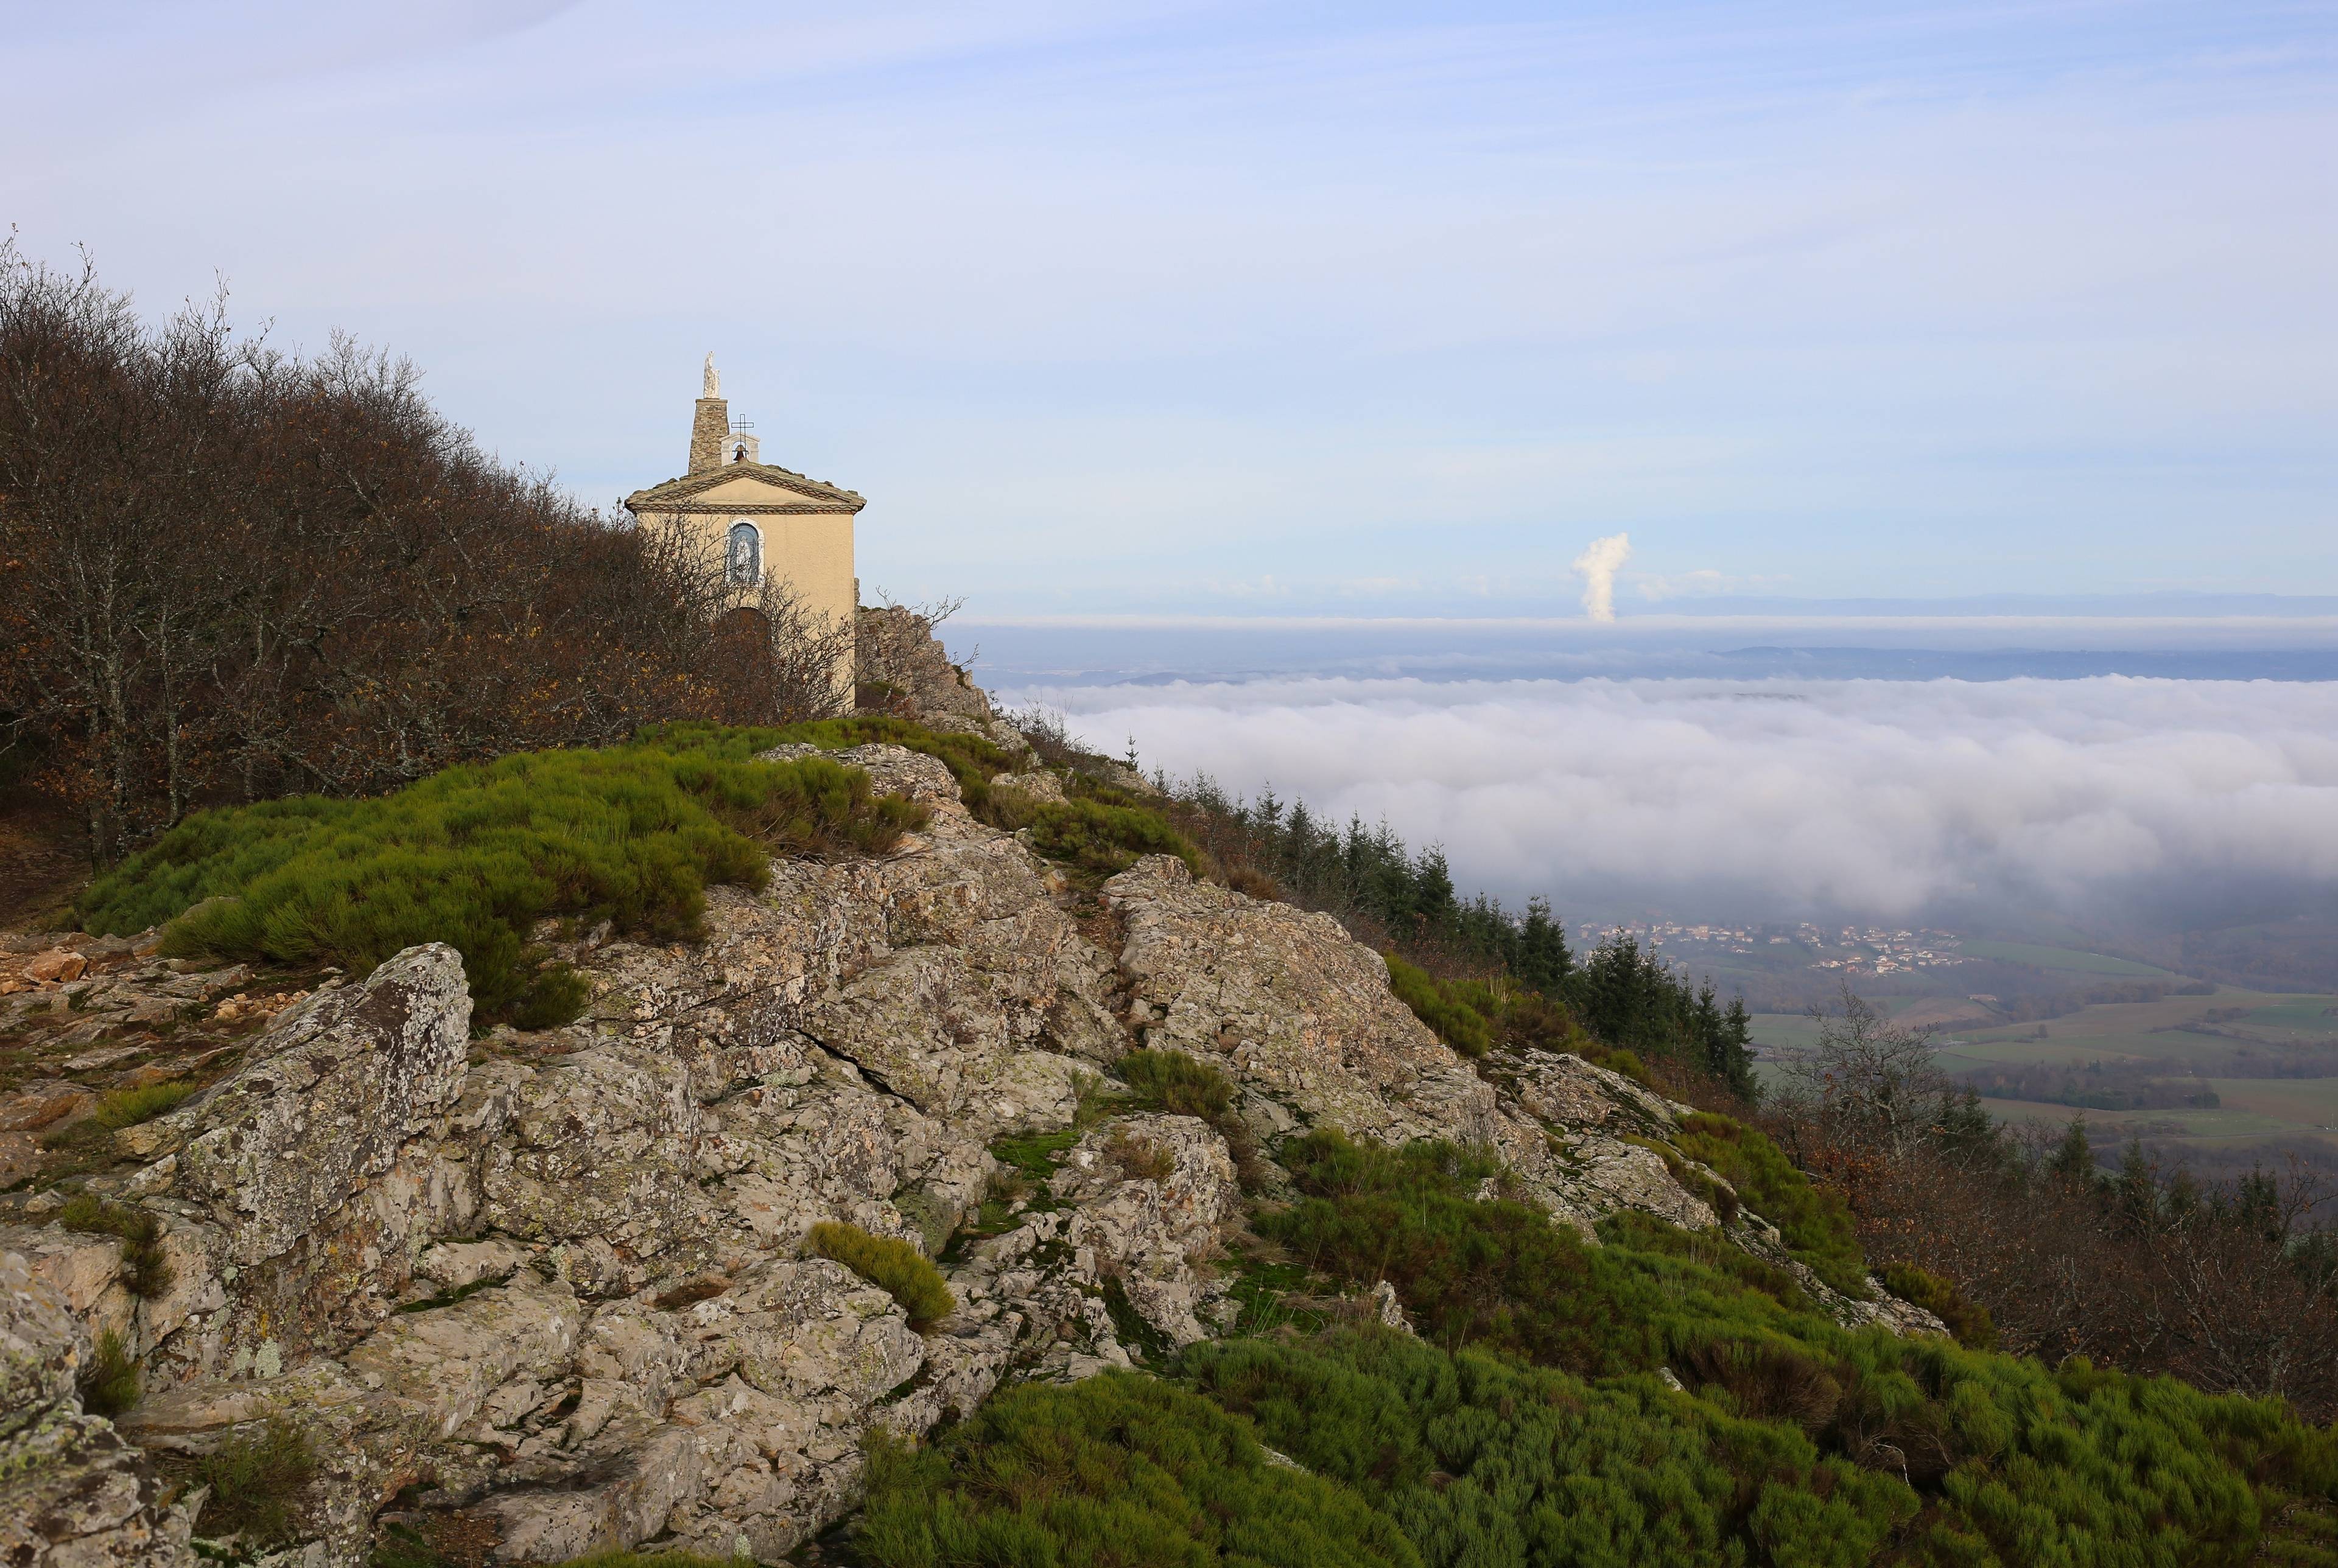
{"x": 1870, "y": 1084}
{"x": 226, "y": 572}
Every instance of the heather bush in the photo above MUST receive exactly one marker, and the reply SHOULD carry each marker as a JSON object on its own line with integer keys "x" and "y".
{"x": 1494, "y": 1273}
{"x": 1174, "y": 1083}
{"x": 120, "y": 1108}
{"x": 1783, "y": 1454}
{"x": 1814, "y": 1220}
{"x": 1120, "y": 1469}
{"x": 1967, "y": 1320}
{"x": 110, "y": 1383}
{"x": 149, "y": 1271}
{"x": 1100, "y": 840}
{"x": 475, "y": 855}
{"x": 972, "y": 760}
{"x": 1530, "y": 1422}
{"x": 1453, "y": 1020}
{"x": 257, "y": 1481}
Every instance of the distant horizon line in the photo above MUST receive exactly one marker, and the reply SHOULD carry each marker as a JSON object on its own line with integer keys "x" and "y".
{"x": 2316, "y": 624}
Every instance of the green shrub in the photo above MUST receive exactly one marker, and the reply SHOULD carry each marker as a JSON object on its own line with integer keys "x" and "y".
{"x": 1176, "y": 1084}
{"x": 1968, "y": 1321}
{"x": 1455, "y": 1021}
{"x": 1473, "y": 1017}
{"x": 120, "y": 1108}
{"x": 1645, "y": 1233}
{"x": 972, "y": 760}
{"x": 1622, "y": 1062}
{"x": 257, "y": 1482}
{"x": 1802, "y": 1441}
{"x": 116, "y": 1109}
{"x": 1814, "y": 1220}
{"x": 476, "y": 856}
{"x": 1493, "y": 1273}
{"x": 1101, "y": 840}
{"x": 1098, "y": 832}
{"x": 1118, "y": 1470}
{"x": 1837, "y": 1448}
{"x": 1035, "y": 1155}
{"x": 149, "y": 1267}
{"x": 896, "y": 1266}
{"x": 1691, "y": 1178}
{"x": 1482, "y": 1461}
{"x": 1797, "y": 1441}
{"x": 110, "y": 1384}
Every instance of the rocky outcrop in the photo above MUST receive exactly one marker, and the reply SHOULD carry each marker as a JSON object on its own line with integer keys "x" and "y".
{"x": 1295, "y": 1010}
{"x": 85, "y": 988}
{"x": 73, "y": 1493}
{"x": 903, "y": 668}
{"x": 549, "y": 1290}
{"x": 83, "y": 1015}
{"x": 1301, "y": 1015}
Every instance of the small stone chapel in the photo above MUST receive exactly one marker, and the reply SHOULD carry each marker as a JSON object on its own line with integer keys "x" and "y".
{"x": 757, "y": 518}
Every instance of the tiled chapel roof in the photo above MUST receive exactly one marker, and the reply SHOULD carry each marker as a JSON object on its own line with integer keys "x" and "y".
{"x": 676, "y": 494}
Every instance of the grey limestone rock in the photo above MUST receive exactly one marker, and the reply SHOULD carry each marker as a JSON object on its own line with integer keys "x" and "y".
{"x": 294, "y": 1193}
{"x": 73, "y": 1493}
{"x": 1153, "y": 1195}
{"x": 1290, "y": 1006}
{"x": 895, "y": 646}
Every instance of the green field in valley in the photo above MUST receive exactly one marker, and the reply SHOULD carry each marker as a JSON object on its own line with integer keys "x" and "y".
{"x": 2059, "y": 959}
{"x": 2175, "y": 1036}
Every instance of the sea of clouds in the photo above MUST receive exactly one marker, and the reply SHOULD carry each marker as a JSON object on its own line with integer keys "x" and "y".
{"x": 2162, "y": 800}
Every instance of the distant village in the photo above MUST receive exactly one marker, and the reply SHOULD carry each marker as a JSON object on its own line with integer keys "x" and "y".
{"x": 1854, "y": 949}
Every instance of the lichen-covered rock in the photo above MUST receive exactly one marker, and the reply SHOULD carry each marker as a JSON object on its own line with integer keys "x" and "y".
{"x": 948, "y": 972}
{"x": 1154, "y": 1194}
{"x": 1887, "y": 1311}
{"x": 347, "y": 1080}
{"x": 79, "y": 1272}
{"x": 60, "y": 990}
{"x": 896, "y": 651}
{"x": 1300, "y": 1014}
{"x": 73, "y": 1493}
{"x": 1598, "y": 1151}
{"x": 42, "y": 1349}
{"x": 442, "y": 1365}
{"x": 1586, "y": 1176}
{"x": 42, "y": 1103}
{"x": 294, "y": 1193}
{"x": 1564, "y": 1089}
{"x": 1039, "y": 787}
{"x": 602, "y": 1145}
{"x": 1291, "y": 1006}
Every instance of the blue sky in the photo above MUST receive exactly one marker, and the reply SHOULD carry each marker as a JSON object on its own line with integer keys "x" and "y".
{"x": 1298, "y": 309}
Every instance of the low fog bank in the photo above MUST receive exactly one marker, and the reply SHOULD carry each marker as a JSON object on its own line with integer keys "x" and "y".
{"x": 2132, "y": 803}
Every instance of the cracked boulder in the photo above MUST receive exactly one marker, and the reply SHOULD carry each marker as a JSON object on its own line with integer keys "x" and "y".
{"x": 293, "y": 1194}
{"x": 1292, "y": 1007}
{"x": 73, "y": 1493}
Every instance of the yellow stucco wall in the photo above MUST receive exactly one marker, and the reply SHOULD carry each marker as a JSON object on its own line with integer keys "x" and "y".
{"x": 811, "y": 552}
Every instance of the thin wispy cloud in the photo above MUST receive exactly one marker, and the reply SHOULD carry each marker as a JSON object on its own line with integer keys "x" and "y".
{"x": 1106, "y": 305}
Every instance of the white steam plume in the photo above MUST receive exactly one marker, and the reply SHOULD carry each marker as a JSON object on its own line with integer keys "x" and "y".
{"x": 1597, "y": 566}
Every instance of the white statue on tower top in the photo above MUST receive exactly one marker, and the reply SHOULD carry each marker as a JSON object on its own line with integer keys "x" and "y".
{"x": 712, "y": 384}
